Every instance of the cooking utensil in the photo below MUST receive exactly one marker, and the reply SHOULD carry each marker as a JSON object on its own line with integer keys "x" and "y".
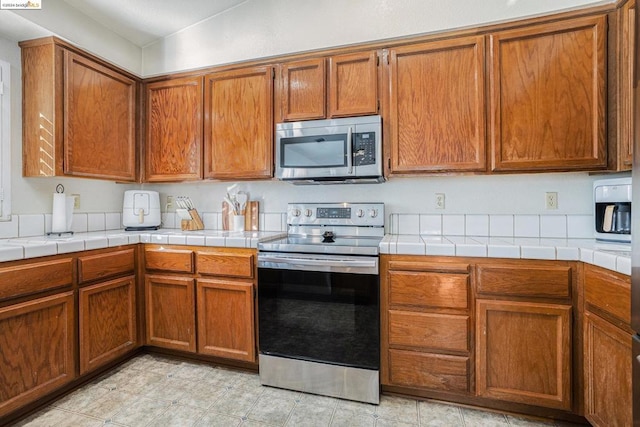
{"x": 231, "y": 203}
{"x": 241, "y": 199}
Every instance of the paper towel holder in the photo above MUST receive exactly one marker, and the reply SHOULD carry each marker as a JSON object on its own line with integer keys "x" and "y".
{"x": 59, "y": 190}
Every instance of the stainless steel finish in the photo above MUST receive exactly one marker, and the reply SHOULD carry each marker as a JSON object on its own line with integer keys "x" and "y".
{"x": 350, "y": 151}
{"x": 317, "y": 174}
{"x": 616, "y": 195}
{"x": 319, "y": 378}
{"x": 285, "y": 245}
{"x": 375, "y": 217}
{"x": 309, "y": 262}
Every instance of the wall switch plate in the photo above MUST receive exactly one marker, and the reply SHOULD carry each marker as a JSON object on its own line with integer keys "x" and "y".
{"x": 76, "y": 201}
{"x": 439, "y": 200}
{"x": 169, "y": 203}
{"x": 551, "y": 200}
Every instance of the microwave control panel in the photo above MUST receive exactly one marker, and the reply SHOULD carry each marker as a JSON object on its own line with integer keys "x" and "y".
{"x": 364, "y": 148}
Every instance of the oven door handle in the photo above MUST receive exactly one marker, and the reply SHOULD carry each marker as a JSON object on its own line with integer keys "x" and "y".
{"x": 319, "y": 262}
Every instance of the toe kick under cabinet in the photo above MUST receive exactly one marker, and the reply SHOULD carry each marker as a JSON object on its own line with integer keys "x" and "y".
{"x": 201, "y": 300}
{"x": 491, "y": 332}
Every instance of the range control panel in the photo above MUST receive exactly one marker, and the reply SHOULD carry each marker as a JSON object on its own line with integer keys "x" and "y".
{"x": 354, "y": 214}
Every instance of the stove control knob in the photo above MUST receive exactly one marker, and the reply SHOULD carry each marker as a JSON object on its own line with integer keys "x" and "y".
{"x": 359, "y": 213}
{"x": 373, "y": 213}
{"x": 308, "y": 213}
{"x": 296, "y": 212}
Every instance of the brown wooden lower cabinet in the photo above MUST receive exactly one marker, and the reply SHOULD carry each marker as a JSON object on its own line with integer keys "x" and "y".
{"x": 37, "y": 349}
{"x": 171, "y": 316}
{"x": 226, "y": 319}
{"x": 524, "y": 352}
{"x": 428, "y": 370}
{"x": 607, "y": 373}
{"x": 201, "y": 300}
{"x": 107, "y": 322}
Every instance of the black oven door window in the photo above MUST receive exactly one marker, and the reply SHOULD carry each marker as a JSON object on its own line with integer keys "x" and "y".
{"x": 319, "y": 316}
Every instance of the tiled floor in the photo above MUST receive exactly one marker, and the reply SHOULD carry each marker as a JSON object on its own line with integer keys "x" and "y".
{"x": 156, "y": 391}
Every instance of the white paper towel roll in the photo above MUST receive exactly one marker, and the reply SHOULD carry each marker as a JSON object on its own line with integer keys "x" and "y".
{"x": 62, "y": 213}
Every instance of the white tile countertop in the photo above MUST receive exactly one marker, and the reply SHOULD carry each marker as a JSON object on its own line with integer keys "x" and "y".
{"x": 32, "y": 247}
{"x": 612, "y": 256}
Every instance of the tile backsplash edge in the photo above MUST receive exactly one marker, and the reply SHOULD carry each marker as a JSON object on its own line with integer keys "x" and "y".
{"x": 489, "y": 225}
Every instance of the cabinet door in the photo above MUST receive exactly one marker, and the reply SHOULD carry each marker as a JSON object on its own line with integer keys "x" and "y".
{"x": 171, "y": 316}
{"x": 607, "y": 373}
{"x": 302, "y": 90}
{"x": 37, "y": 346}
{"x": 107, "y": 322}
{"x": 99, "y": 121}
{"x": 548, "y": 93}
{"x": 173, "y": 144}
{"x": 239, "y": 124}
{"x": 524, "y": 352}
{"x": 226, "y": 319}
{"x": 437, "y": 111}
{"x": 353, "y": 84}
{"x": 625, "y": 88}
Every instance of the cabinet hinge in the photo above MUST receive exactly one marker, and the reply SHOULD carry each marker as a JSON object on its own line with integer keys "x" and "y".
{"x": 387, "y": 59}
{"x": 273, "y": 73}
{"x": 377, "y": 61}
{"x": 389, "y": 163}
{"x": 378, "y": 105}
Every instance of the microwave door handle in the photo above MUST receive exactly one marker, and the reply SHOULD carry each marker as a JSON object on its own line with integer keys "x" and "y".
{"x": 349, "y": 151}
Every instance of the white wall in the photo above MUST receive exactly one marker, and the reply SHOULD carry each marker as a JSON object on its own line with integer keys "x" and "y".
{"x": 58, "y": 18}
{"x": 505, "y": 194}
{"x": 263, "y": 28}
{"x": 33, "y": 195}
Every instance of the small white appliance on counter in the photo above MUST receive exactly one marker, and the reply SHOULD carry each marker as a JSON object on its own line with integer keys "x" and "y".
{"x": 141, "y": 210}
{"x": 612, "y": 209}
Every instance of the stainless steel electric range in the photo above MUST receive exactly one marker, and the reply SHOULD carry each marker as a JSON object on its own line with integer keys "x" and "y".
{"x": 318, "y": 301}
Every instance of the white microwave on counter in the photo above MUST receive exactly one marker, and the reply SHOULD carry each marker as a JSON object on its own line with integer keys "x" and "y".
{"x": 334, "y": 151}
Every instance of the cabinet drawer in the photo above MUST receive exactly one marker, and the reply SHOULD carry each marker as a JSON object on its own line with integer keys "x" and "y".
{"x": 35, "y": 277}
{"x": 434, "y": 371}
{"x": 426, "y": 289}
{"x": 225, "y": 264}
{"x": 102, "y": 266}
{"x": 177, "y": 260}
{"x": 535, "y": 280}
{"x": 429, "y": 330}
{"x": 608, "y": 291}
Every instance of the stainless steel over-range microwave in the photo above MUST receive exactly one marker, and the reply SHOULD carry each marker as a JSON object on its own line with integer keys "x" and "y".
{"x": 345, "y": 150}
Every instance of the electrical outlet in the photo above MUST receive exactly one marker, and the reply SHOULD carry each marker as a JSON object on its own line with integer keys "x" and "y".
{"x": 169, "y": 203}
{"x": 439, "y": 200}
{"x": 76, "y": 201}
{"x": 551, "y": 200}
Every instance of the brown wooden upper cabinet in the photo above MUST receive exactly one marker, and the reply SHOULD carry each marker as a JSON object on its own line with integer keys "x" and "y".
{"x": 79, "y": 114}
{"x": 174, "y": 130}
{"x": 306, "y": 92}
{"x": 548, "y": 96}
{"x": 238, "y": 124}
{"x": 627, "y": 22}
{"x": 437, "y": 106}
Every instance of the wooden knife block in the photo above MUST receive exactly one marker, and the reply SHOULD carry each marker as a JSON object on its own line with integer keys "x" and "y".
{"x": 194, "y": 224}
